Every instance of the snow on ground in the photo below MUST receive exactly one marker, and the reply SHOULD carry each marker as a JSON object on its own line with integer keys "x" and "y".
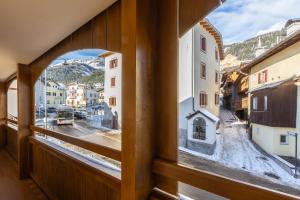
{"x": 95, "y": 122}
{"x": 235, "y": 150}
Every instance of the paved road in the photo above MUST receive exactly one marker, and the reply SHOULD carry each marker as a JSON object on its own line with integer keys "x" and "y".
{"x": 82, "y": 130}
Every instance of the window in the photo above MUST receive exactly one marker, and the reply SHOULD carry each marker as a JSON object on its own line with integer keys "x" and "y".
{"x": 217, "y": 98}
{"x": 48, "y": 102}
{"x": 284, "y": 139}
{"x": 216, "y": 55}
{"x": 48, "y": 93}
{"x": 113, "y": 63}
{"x": 263, "y": 77}
{"x": 203, "y": 70}
{"x": 203, "y": 43}
{"x": 265, "y": 103}
{"x": 61, "y": 94}
{"x": 199, "y": 128}
{"x": 113, "y": 82}
{"x": 217, "y": 76}
{"x": 254, "y": 103}
{"x": 112, "y": 101}
{"x": 54, "y": 94}
{"x": 203, "y": 99}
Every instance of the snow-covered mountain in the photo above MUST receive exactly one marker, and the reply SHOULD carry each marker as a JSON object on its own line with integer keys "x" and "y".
{"x": 73, "y": 70}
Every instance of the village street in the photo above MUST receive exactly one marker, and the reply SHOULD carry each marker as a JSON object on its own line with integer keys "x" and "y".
{"x": 237, "y": 157}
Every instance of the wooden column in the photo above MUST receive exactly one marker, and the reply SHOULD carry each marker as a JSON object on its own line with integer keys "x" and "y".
{"x": 24, "y": 119}
{"x": 149, "y": 75}
{"x": 166, "y": 95}
{"x": 3, "y": 113}
{"x": 139, "y": 57}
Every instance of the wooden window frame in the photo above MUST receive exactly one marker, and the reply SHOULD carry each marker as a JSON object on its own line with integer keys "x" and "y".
{"x": 217, "y": 77}
{"x": 254, "y": 105}
{"x": 113, "y": 63}
{"x": 113, "y": 81}
{"x": 164, "y": 161}
{"x": 112, "y": 101}
{"x": 203, "y": 99}
{"x": 203, "y": 73}
{"x": 216, "y": 54}
{"x": 217, "y": 98}
{"x": 203, "y": 43}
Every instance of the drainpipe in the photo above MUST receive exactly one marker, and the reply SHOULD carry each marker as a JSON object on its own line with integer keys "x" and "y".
{"x": 296, "y": 156}
{"x": 193, "y": 71}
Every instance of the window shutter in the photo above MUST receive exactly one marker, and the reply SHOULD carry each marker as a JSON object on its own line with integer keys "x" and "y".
{"x": 266, "y": 75}
{"x": 259, "y": 78}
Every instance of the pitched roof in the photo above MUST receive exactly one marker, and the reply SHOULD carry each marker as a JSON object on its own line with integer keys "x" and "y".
{"x": 216, "y": 34}
{"x": 205, "y": 113}
{"x": 291, "y": 21}
{"x": 273, "y": 85}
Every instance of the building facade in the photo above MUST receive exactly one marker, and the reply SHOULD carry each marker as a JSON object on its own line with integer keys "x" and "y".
{"x": 113, "y": 85}
{"x": 234, "y": 88}
{"x": 274, "y": 95}
{"x": 81, "y": 95}
{"x": 200, "y": 52}
{"x": 55, "y": 94}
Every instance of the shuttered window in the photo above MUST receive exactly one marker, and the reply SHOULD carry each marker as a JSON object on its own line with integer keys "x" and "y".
{"x": 217, "y": 98}
{"x": 113, "y": 63}
{"x": 112, "y": 101}
{"x": 203, "y": 70}
{"x": 203, "y": 43}
{"x": 113, "y": 82}
{"x": 203, "y": 99}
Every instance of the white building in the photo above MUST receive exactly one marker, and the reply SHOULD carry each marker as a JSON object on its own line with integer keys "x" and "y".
{"x": 292, "y": 26}
{"x": 51, "y": 96}
{"x": 113, "y": 83}
{"x": 81, "y": 95}
{"x": 200, "y": 52}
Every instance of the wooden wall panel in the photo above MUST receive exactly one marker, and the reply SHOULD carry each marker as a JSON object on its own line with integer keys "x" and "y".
{"x": 138, "y": 61}
{"x": 11, "y": 142}
{"x": 83, "y": 37}
{"x": 284, "y": 94}
{"x": 102, "y": 32}
{"x": 62, "y": 179}
{"x": 192, "y": 11}
{"x": 113, "y": 18}
{"x": 24, "y": 118}
{"x": 99, "y": 31}
{"x": 3, "y": 114}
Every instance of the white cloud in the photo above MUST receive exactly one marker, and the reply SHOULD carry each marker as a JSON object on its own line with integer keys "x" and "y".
{"x": 274, "y": 27}
{"x": 238, "y": 20}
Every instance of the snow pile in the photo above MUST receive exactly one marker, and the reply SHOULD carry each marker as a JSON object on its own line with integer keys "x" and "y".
{"x": 235, "y": 150}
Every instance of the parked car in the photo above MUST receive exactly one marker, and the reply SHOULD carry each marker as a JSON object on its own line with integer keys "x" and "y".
{"x": 79, "y": 115}
{"x": 51, "y": 110}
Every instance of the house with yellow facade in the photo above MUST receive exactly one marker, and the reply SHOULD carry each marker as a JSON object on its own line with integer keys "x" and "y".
{"x": 56, "y": 94}
{"x": 274, "y": 96}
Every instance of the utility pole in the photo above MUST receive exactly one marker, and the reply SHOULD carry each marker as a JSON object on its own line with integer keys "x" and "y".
{"x": 296, "y": 151}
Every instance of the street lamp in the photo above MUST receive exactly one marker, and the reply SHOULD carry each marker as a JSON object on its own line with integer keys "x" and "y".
{"x": 293, "y": 134}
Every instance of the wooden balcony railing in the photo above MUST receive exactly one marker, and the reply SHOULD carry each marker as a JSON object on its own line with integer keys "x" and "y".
{"x": 103, "y": 150}
{"x": 217, "y": 184}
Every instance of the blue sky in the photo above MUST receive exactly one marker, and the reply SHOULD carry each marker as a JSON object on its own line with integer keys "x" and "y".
{"x": 238, "y": 20}
{"x": 79, "y": 54}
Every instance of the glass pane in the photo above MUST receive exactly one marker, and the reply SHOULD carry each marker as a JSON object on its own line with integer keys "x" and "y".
{"x": 12, "y": 103}
{"x": 188, "y": 192}
{"x": 250, "y": 133}
{"x": 79, "y": 94}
